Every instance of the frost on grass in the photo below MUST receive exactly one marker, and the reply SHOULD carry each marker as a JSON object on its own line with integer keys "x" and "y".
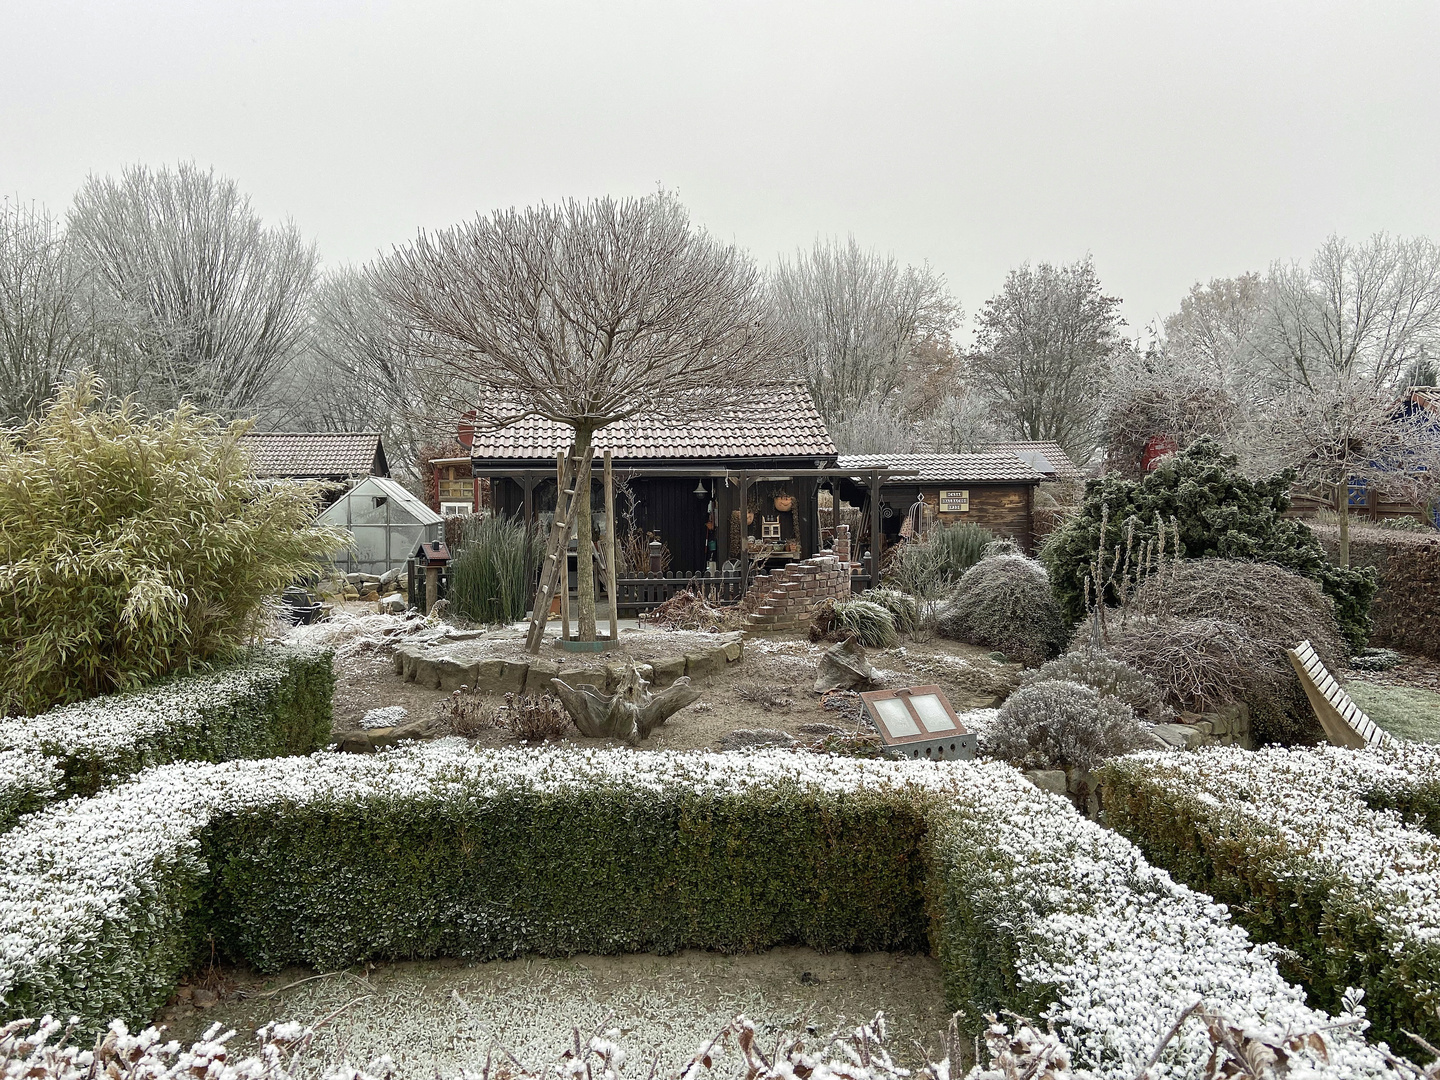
{"x": 385, "y": 717}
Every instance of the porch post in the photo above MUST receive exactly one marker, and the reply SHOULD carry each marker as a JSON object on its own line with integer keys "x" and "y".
{"x": 744, "y": 547}
{"x": 877, "y": 537}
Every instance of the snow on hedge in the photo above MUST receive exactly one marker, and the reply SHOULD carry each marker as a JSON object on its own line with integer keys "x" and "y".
{"x": 1072, "y": 923}
{"x": 1328, "y": 849}
{"x": 263, "y": 705}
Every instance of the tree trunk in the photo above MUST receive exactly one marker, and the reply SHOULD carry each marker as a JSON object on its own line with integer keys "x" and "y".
{"x": 1342, "y": 506}
{"x": 584, "y": 545}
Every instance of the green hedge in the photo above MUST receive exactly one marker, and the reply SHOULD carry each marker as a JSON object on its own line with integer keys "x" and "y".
{"x": 601, "y": 871}
{"x": 276, "y": 701}
{"x": 1328, "y": 853}
{"x": 442, "y": 850}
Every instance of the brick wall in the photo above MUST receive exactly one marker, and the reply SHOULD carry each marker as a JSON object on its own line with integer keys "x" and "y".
{"x": 788, "y": 597}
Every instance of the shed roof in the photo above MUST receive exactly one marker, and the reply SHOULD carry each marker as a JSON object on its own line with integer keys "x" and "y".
{"x": 316, "y": 455}
{"x": 948, "y": 468}
{"x": 1039, "y": 454}
{"x": 782, "y": 422}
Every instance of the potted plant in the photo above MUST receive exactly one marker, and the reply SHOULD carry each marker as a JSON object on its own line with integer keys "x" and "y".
{"x": 784, "y": 503}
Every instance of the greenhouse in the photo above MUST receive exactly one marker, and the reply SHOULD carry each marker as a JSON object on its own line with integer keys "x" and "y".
{"x": 387, "y": 522}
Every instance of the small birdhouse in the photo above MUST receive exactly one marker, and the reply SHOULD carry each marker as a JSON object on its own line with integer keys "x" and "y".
{"x": 432, "y": 556}
{"x": 432, "y": 553}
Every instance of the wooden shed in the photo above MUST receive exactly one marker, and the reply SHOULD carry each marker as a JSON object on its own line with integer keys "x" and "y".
{"x": 996, "y": 490}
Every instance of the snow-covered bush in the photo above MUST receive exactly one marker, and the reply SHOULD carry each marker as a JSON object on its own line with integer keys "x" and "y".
{"x": 277, "y": 701}
{"x": 28, "y": 780}
{"x": 1059, "y": 724}
{"x": 1330, "y": 853}
{"x": 1063, "y": 920}
{"x": 441, "y": 849}
{"x": 1276, "y": 608}
{"x": 1005, "y": 602}
{"x": 1111, "y": 678}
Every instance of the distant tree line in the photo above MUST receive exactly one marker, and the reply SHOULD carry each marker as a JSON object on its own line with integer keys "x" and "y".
{"x": 168, "y": 285}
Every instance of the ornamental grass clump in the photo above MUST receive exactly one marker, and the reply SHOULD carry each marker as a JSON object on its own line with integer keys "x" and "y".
{"x": 1216, "y": 631}
{"x": 1005, "y": 602}
{"x": 904, "y": 609}
{"x": 134, "y": 546}
{"x": 490, "y": 579}
{"x": 1060, "y": 724}
{"x": 933, "y": 564}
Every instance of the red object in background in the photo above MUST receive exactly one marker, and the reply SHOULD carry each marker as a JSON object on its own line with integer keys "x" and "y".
{"x": 465, "y": 429}
{"x": 1157, "y": 447}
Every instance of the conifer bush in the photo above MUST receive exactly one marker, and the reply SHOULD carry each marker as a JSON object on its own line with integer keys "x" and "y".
{"x": 1005, "y": 602}
{"x": 135, "y": 546}
{"x": 1220, "y": 513}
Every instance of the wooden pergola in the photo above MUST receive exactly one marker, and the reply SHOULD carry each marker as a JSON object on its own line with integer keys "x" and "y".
{"x": 530, "y": 477}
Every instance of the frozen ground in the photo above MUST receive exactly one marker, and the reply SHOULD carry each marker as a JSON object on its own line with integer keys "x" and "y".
{"x": 437, "y": 1017}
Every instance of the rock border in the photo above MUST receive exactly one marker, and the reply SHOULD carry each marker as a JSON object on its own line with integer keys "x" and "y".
{"x": 431, "y": 664}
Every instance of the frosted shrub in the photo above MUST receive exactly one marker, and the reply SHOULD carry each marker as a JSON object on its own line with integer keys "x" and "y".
{"x": 1005, "y": 602}
{"x": 1111, "y": 678}
{"x": 1057, "y": 724}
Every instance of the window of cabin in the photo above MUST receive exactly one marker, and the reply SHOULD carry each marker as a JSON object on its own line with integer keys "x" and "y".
{"x": 457, "y": 484}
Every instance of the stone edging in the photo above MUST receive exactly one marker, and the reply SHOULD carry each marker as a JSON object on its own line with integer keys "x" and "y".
{"x": 436, "y": 665}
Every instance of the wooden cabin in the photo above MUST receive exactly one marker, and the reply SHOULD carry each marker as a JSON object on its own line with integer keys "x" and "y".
{"x": 676, "y": 478}
{"x": 996, "y": 490}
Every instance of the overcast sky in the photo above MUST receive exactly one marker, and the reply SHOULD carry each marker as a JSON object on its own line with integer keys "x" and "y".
{"x": 1174, "y": 141}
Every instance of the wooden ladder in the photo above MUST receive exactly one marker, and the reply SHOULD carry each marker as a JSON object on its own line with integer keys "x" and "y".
{"x": 557, "y": 548}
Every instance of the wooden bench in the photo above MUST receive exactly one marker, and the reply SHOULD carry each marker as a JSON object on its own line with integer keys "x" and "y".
{"x": 1345, "y": 723}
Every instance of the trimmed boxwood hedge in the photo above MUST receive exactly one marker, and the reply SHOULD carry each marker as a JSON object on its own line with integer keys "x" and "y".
{"x": 276, "y": 701}
{"x": 1330, "y": 853}
{"x": 444, "y": 850}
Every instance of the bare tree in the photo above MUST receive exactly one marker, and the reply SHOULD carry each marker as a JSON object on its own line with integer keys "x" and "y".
{"x": 1339, "y": 335}
{"x": 865, "y": 327}
{"x": 210, "y": 302}
{"x": 1042, "y": 346}
{"x": 585, "y": 313}
{"x": 44, "y": 333}
{"x": 358, "y": 371}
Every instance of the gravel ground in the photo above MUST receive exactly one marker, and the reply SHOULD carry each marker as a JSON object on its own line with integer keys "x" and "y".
{"x": 771, "y": 688}
{"x": 439, "y": 1016}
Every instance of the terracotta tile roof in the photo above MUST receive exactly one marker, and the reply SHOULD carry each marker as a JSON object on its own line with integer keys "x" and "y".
{"x": 315, "y": 455}
{"x": 783, "y": 422}
{"x": 948, "y": 468}
{"x": 1060, "y": 463}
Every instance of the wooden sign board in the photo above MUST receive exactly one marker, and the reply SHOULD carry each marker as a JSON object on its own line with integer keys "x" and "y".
{"x": 955, "y": 502}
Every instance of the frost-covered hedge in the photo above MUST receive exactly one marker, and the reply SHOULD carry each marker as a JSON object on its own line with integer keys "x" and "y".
{"x": 445, "y": 850}
{"x": 1330, "y": 853}
{"x": 276, "y": 702}
{"x": 1055, "y": 917}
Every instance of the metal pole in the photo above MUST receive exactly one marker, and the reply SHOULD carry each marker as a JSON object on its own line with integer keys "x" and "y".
{"x": 877, "y": 538}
